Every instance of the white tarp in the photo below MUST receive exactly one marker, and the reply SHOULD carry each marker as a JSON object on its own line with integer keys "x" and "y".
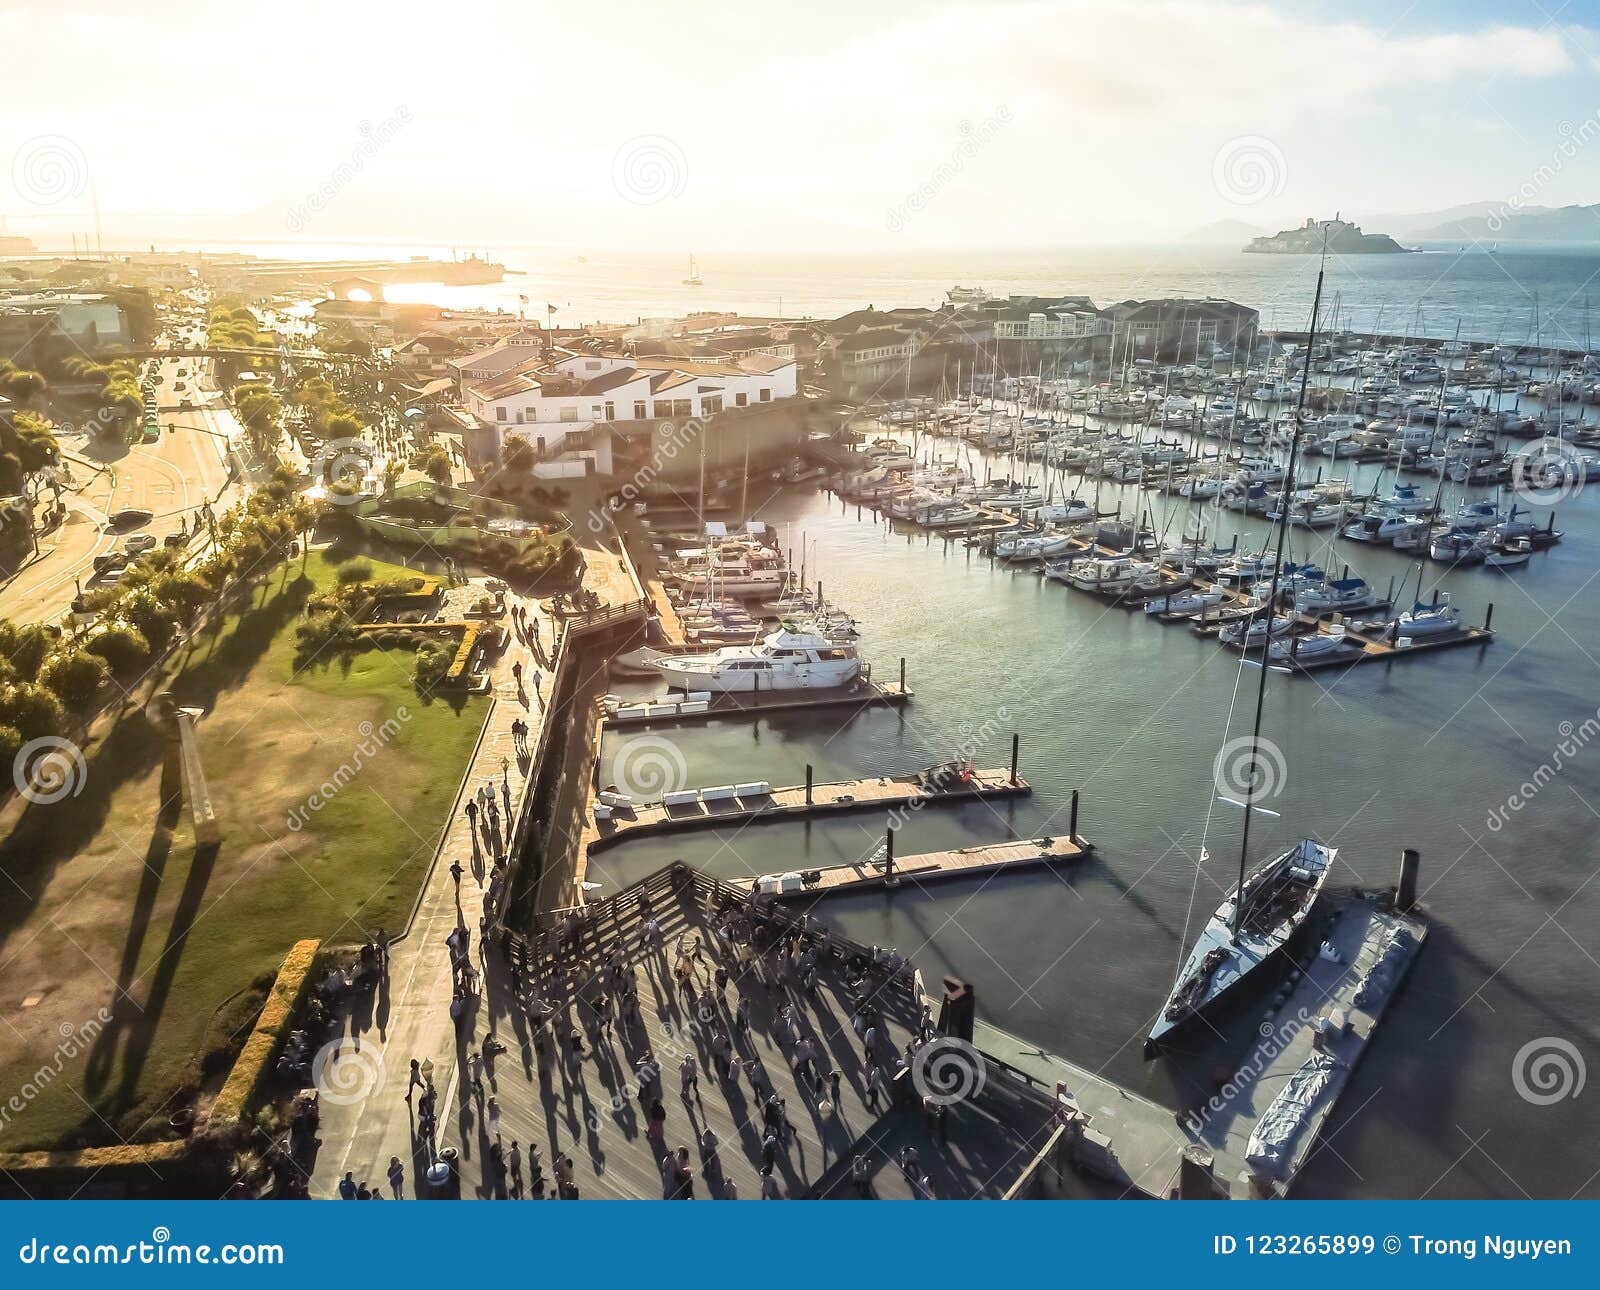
{"x": 1274, "y": 1135}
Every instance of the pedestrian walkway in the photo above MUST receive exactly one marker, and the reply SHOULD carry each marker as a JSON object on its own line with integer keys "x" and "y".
{"x": 410, "y": 1017}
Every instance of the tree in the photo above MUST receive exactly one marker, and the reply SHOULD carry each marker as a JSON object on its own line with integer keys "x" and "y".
{"x": 25, "y": 647}
{"x": 124, "y": 649}
{"x": 74, "y": 677}
{"x": 31, "y": 709}
{"x": 516, "y": 456}
{"x": 437, "y": 467}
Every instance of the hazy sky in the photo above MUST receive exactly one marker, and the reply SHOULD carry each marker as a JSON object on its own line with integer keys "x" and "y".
{"x": 859, "y": 124}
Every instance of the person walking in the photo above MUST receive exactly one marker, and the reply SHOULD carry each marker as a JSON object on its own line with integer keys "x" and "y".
{"x": 689, "y": 1073}
{"x": 347, "y": 1187}
{"x": 514, "y": 1163}
{"x": 769, "y": 1186}
{"x": 416, "y": 1078}
{"x": 397, "y": 1177}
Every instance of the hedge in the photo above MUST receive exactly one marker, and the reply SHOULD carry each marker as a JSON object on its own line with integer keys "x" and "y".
{"x": 271, "y": 1028}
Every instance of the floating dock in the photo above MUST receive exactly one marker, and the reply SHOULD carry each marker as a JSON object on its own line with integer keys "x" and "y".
{"x": 749, "y": 803}
{"x": 932, "y": 866}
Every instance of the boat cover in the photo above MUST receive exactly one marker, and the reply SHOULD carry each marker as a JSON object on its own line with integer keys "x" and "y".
{"x": 1273, "y": 1139}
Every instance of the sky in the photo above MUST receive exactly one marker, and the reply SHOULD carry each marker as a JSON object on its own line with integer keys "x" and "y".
{"x": 860, "y": 125}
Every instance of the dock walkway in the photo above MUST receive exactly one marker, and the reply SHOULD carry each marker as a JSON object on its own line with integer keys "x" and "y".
{"x": 799, "y": 801}
{"x": 932, "y": 866}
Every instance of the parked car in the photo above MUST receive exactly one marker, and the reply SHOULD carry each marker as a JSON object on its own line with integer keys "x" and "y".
{"x": 139, "y": 543}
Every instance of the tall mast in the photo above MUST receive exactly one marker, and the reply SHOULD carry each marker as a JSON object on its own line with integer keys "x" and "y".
{"x": 1272, "y": 598}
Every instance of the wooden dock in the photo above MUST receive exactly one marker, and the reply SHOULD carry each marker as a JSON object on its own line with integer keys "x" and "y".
{"x": 932, "y": 866}
{"x": 799, "y": 802}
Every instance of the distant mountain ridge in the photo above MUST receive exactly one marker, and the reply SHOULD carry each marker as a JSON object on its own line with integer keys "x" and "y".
{"x": 1469, "y": 222}
{"x": 1502, "y": 223}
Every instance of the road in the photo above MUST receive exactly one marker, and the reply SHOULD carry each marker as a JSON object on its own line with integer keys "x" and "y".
{"x": 170, "y": 478}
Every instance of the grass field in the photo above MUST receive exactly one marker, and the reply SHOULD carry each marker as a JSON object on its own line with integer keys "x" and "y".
{"x": 125, "y": 958}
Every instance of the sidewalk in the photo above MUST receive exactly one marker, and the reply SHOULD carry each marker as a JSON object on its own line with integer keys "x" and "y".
{"x": 410, "y": 1016}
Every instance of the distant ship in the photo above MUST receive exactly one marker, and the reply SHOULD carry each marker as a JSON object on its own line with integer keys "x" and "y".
{"x": 1339, "y": 236}
{"x": 967, "y": 295}
{"x": 693, "y": 280}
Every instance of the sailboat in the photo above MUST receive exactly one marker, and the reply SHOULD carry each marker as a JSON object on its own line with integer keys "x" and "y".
{"x": 1268, "y": 905}
{"x": 693, "y": 280}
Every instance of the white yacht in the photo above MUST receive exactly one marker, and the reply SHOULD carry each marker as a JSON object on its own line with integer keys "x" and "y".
{"x": 791, "y": 658}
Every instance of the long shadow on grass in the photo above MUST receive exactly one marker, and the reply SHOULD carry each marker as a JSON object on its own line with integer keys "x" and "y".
{"x": 48, "y": 835}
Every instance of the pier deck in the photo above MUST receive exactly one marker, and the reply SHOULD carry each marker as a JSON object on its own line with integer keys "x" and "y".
{"x": 790, "y": 803}
{"x": 932, "y": 866}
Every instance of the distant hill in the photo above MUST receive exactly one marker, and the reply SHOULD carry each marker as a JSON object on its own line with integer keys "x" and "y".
{"x": 1497, "y": 223}
{"x": 1224, "y": 232}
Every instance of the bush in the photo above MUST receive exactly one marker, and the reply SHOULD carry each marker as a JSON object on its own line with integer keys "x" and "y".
{"x": 75, "y": 677}
{"x": 32, "y": 710}
{"x": 124, "y": 649}
{"x": 354, "y": 571}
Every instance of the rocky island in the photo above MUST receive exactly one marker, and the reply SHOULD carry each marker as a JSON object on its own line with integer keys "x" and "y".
{"x": 1342, "y": 238}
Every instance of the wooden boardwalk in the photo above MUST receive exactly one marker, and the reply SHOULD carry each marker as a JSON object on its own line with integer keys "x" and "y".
{"x": 793, "y": 803}
{"x": 585, "y": 1102}
{"x": 932, "y": 866}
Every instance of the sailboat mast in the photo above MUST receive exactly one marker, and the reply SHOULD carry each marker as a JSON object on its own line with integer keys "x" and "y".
{"x": 1272, "y": 598}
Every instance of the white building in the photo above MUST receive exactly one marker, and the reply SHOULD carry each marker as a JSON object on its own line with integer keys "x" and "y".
{"x": 569, "y": 409}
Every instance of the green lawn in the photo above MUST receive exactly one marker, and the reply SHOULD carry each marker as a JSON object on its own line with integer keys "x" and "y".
{"x": 108, "y": 908}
